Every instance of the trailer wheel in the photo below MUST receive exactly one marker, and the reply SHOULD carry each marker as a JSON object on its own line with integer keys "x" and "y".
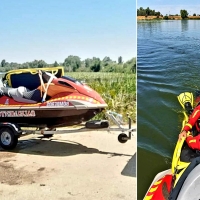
{"x": 8, "y": 140}
{"x": 122, "y": 138}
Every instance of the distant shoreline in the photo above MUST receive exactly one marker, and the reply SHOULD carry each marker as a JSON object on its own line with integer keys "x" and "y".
{"x": 171, "y": 17}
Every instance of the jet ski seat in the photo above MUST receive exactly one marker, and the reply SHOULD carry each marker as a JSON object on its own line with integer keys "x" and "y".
{"x": 25, "y": 95}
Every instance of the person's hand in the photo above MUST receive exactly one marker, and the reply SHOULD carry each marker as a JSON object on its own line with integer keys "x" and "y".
{"x": 183, "y": 134}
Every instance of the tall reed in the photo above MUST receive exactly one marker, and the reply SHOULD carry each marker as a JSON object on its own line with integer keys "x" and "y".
{"x": 117, "y": 89}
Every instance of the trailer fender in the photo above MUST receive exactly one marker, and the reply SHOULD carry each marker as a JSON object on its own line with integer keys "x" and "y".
{"x": 14, "y": 127}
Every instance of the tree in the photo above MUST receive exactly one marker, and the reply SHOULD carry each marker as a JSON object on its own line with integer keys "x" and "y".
{"x": 55, "y": 64}
{"x": 130, "y": 66}
{"x": 119, "y": 60}
{"x": 106, "y": 61}
{"x": 41, "y": 64}
{"x": 3, "y": 63}
{"x": 194, "y": 14}
{"x": 37, "y": 64}
{"x": 88, "y": 62}
{"x": 24, "y": 66}
{"x": 146, "y": 12}
{"x": 165, "y": 17}
{"x": 96, "y": 65}
{"x": 157, "y": 14}
{"x": 72, "y": 63}
{"x": 141, "y": 12}
{"x": 184, "y": 14}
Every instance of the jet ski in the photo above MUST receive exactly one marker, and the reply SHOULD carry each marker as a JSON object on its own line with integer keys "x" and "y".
{"x": 45, "y": 98}
{"x": 71, "y": 102}
{"x": 182, "y": 181}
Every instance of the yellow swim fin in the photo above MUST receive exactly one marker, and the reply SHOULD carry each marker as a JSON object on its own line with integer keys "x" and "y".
{"x": 186, "y": 97}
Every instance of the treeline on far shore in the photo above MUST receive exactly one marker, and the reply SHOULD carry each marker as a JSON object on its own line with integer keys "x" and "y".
{"x": 147, "y": 12}
{"x": 157, "y": 14}
{"x": 74, "y": 64}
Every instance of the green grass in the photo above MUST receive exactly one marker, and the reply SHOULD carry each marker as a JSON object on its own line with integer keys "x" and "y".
{"x": 117, "y": 89}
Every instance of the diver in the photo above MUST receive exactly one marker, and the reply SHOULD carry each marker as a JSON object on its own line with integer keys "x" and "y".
{"x": 193, "y": 123}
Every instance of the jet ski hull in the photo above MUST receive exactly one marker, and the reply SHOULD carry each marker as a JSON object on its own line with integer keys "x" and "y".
{"x": 47, "y": 118}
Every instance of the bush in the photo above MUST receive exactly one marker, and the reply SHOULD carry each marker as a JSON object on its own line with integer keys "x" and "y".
{"x": 166, "y": 17}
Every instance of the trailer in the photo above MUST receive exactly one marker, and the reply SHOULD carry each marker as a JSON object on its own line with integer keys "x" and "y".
{"x": 11, "y": 132}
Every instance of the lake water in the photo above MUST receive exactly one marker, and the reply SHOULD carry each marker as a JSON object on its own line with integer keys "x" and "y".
{"x": 168, "y": 63}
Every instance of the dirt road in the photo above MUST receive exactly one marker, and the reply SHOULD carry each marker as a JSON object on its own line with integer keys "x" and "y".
{"x": 81, "y": 166}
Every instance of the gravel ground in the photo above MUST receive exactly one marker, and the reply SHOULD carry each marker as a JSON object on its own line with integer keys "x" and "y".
{"x": 82, "y": 166}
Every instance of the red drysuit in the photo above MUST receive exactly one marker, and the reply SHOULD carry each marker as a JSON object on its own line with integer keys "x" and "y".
{"x": 193, "y": 142}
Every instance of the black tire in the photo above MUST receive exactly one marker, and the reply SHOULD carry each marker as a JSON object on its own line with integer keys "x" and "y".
{"x": 122, "y": 138}
{"x": 47, "y": 135}
{"x": 8, "y": 140}
{"x": 95, "y": 124}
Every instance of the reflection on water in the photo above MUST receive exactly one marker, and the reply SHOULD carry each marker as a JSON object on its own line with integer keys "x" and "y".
{"x": 184, "y": 25}
{"x": 168, "y": 64}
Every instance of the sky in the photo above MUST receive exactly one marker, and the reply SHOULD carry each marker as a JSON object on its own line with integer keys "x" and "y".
{"x": 171, "y": 7}
{"x": 51, "y": 30}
